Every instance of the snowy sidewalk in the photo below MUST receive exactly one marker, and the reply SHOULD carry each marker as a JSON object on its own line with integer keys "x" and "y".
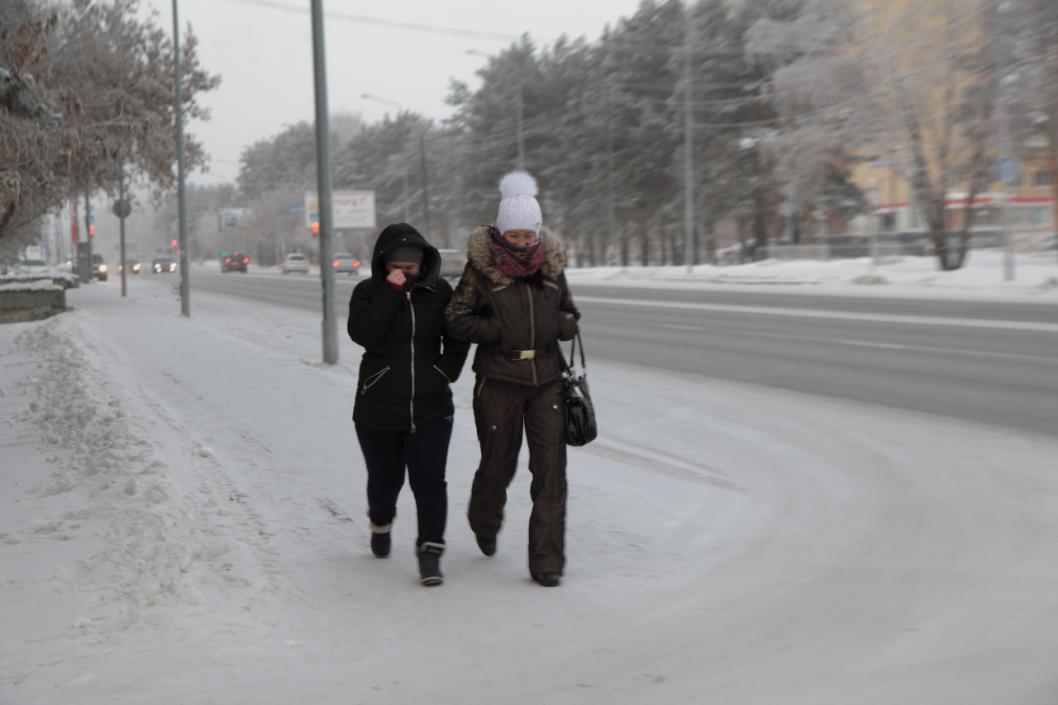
{"x": 182, "y": 521}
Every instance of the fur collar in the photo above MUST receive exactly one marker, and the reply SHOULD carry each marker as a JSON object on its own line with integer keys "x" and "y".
{"x": 478, "y": 254}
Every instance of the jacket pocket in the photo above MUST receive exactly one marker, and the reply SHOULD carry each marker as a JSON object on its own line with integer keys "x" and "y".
{"x": 443, "y": 375}
{"x": 374, "y": 379}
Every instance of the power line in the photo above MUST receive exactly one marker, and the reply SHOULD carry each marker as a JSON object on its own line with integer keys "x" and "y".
{"x": 382, "y": 22}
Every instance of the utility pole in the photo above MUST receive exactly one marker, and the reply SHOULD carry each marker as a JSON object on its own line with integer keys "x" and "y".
{"x": 1007, "y": 159}
{"x": 122, "y": 213}
{"x": 181, "y": 185}
{"x": 688, "y": 144}
{"x": 520, "y": 127}
{"x": 425, "y": 182}
{"x": 89, "y": 228}
{"x": 611, "y": 210}
{"x": 323, "y": 186}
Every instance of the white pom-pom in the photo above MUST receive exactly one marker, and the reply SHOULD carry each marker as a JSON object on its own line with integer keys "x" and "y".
{"x": 518, "y": 183}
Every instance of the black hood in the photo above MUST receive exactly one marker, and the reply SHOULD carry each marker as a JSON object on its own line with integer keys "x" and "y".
{"x": 398, "y": 235}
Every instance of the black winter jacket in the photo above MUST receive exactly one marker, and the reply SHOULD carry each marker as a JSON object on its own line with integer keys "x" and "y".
{"x": 409, "y": 359}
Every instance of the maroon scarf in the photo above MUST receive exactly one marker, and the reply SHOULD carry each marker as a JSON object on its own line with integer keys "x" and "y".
{"x": 515, "y": 262}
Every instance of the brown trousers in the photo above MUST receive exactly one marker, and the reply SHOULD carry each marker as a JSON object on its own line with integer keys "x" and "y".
{"x": 501, "y": 410}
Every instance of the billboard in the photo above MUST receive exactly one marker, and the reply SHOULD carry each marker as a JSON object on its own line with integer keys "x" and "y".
{"x": 228, "y": 218}
{"x": 352, "y": 209}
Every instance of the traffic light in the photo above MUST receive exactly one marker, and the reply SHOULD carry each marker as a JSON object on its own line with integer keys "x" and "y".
{"x": 91, "y": 230}
{"x": 315, "y": 227}
{"x": 173, "y": 243}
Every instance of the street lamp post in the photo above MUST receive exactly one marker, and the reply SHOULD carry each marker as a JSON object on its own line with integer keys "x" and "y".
{"x": 323, "y": 186}
{"x": 181, "y": 191}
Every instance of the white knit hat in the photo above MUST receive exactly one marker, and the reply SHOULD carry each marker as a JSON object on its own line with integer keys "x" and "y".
{"x": 518, "y": 207}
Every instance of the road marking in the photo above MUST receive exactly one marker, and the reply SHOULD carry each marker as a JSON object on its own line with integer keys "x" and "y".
{"x": 838, "y": 315}
{"x": 912, "y": 348}
{"x": 674, "y": 326}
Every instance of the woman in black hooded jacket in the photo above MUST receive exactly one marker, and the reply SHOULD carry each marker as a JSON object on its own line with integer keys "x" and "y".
{"x": 403, "y": 410}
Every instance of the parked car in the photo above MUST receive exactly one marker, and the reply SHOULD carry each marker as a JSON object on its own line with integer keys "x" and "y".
{"x": 235, "y": 262}
{"x": 345, "y": 263}
{"x": 452, "y": 263}
{"x": 163, "y": 265}
{"x": 99, "y": 268}
{"x": 295, "y": 262}
{"x": 31, "y": 265}
{"x": 134, "y": 265}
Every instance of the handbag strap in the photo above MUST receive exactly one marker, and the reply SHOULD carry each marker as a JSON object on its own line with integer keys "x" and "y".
{"x": 573, "y": 351}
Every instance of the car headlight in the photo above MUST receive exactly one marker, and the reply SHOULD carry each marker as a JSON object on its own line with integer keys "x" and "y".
{"x": 172, "y": 267}
{"x": 135, "y": 267}
{"x": 102, "y": 269}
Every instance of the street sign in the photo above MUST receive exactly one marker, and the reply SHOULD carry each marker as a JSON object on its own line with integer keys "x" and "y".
{"x": 1008, "y": 170}
{"x": 122, "y": 208}
{"x": 351, "y": 209}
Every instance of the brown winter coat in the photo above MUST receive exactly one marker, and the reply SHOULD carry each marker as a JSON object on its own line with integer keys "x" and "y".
{"x": 507, "y": 317}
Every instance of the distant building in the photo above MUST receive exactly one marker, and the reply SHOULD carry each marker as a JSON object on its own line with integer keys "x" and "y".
{"x": 883, "y": 173}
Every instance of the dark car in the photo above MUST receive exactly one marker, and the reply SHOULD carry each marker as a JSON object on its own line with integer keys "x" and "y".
{"x": 235, "y": 262}
{"x": 134, "y": 266}
{"x": 163, "y": 265}
{"x": 345, "y": 263}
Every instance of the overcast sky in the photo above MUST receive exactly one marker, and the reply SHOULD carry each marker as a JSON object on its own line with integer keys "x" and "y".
{"x": 264, "y": 56}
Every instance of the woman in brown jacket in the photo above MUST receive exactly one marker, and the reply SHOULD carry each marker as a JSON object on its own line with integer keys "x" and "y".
{"x": 513, "y": 301}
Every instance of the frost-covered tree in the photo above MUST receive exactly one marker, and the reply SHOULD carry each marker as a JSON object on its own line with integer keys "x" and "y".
{"x": 87, "y": 98}
{"x": 1032, "y": 28}
{"x": 918, "y": 76}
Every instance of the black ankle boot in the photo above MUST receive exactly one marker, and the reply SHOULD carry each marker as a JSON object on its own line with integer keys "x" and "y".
{"x": 486, "y": 544}
{"x": 548, "y": 579}
{"x": 430, "y": 564}
{"x": 381, "y": 543}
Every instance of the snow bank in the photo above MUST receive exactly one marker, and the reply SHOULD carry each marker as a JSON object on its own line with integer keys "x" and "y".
{"x": 36, "y": 285}
{"x": 1036, "y": 276}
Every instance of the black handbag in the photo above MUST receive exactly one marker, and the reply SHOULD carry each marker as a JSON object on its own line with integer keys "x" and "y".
{"x": 579, "y": 411}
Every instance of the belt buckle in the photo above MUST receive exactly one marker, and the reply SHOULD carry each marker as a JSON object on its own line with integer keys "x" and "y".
{"x": 525, "y": 355}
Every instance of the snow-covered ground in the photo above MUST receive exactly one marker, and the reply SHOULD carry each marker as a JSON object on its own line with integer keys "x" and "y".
{"x": 182, "y": 521}
{"x": 1036, "y": 276}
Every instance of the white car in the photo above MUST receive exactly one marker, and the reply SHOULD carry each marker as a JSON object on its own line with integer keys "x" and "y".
{"x": 295, "y": 262}
{"x": 31, "y": 265}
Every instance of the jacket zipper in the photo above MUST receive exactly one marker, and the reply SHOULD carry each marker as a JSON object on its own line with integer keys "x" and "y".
{"x": 411, "y": 402}
{"x": 532, "y": 331}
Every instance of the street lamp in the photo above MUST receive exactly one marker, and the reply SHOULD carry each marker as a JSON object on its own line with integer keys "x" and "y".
{"x": 181, "y": 188}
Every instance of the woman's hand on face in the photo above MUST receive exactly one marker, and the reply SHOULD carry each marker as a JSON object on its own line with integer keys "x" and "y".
{"x": 396, "y": 277}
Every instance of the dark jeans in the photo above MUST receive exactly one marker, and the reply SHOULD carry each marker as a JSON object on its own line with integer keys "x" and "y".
{"x": 425, "y": 454}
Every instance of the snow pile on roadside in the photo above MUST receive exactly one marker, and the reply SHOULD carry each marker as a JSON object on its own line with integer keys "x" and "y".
{"x": 1036, "y": 275}
{"x": 66, "y": 280}
{"x": 38, "y": 285}
{"x": 140, "y": 538}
